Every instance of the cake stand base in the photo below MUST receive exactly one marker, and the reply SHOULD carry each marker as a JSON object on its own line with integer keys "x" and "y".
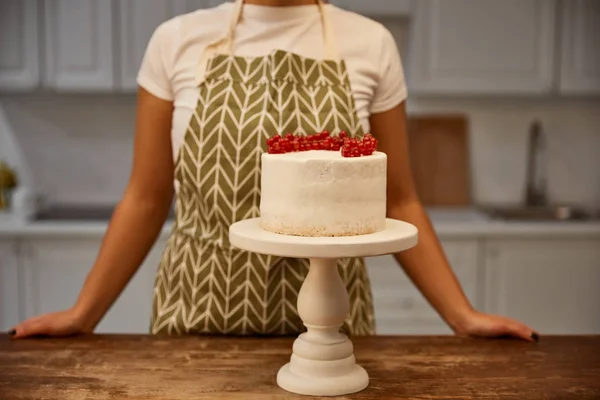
{"x": 322, "y": 361}
{"x": 353, "y": 381}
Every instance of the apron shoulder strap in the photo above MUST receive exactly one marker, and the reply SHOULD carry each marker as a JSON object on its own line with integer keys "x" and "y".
{"x": 208, "y": 52}
{"x": 226, "y": 42}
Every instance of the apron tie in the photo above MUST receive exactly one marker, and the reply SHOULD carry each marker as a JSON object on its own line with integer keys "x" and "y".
{"x": 226, "y": 43}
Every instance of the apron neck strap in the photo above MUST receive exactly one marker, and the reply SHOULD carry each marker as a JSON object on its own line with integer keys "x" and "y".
{"x": 328, "y": 37}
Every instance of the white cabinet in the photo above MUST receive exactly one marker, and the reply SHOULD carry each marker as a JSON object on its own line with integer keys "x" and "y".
{"x": 459, "y": 47}
{"x": 400, "y": 308}
{"x": 139, "y": 19}
{"x": 132, "y": 311}
{"x": 79, "y": 45}
{"x": 482, "y": 47}
{"x": 378, "y": 8}
{"x": 53, "y": 272}
{"x": 10, "y": 313}
{"x": 55, "y": 269}
{"x": 551, "y": 284}
{"x": 580, "y": 56}
{"x": 19, "y": 52}
{"x": 186, "y": 6}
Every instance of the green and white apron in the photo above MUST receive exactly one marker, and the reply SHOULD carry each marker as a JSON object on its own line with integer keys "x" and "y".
{"x": 204, "y": 285}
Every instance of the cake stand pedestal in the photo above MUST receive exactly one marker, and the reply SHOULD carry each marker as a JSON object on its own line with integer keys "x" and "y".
{"x": 322, "y": 361}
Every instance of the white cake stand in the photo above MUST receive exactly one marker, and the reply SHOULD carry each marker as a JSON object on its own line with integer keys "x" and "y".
{"x": 322, "y": 362}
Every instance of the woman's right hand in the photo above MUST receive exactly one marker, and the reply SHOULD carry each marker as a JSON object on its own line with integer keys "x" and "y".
{"x": 62, "y": 323}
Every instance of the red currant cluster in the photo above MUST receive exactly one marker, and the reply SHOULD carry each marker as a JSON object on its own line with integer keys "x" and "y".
{"x": 357, "y": 147}
{"x": 323, "y": 141}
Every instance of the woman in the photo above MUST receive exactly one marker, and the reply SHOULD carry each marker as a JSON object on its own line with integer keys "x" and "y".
{"x": 214, "y": 84}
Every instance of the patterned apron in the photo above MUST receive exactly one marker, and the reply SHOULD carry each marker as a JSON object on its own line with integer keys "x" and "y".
{"x": 203, "y": 284}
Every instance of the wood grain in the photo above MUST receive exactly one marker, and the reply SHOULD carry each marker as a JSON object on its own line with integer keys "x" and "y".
{"x": 146, "y": 367}
{"x": 439, "y": 155}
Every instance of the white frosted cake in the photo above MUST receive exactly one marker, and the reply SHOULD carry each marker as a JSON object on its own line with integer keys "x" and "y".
{"x": 323, "y": 192}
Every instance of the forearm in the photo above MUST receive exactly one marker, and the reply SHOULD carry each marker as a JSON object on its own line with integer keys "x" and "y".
{"x": 131, "y": 234}
{"x": 427, "y": 266}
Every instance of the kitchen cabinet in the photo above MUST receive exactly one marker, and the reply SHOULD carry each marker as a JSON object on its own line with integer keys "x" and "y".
{"x": 138, "y": 21}
{"x": 551, "y": 285}
{"x": 10, "y": 313}
{"x": 580, "y": 56}
{"x": 463, "y": 47}
{"x": 379, "y": 8}
{"x": 400, "y": 308}
{"x": 79, "y": 45}
{"x": 55, "y": 269}
{"x": 19, "y": 52}
{"x": 186, "y": 6}
{"x": 482, "y": 47}
{"x": 132, "y": 311}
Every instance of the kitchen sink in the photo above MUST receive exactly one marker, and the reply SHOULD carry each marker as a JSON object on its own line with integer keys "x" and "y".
{"x": 78, "y": 213}
{"x": 557, "y": 213}
{"x": 64, "y": 213}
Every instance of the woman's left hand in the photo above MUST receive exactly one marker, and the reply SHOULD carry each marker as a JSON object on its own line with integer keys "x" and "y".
{"x": 487, "y": 325}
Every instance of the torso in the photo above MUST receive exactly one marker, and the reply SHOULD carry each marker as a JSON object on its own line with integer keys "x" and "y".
{"x": 278, "y": 77}
{"x": 365, "y": 45}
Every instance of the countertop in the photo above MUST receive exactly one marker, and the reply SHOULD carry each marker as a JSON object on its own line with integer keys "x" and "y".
{"x": 98, "y": 367}
{"x": 447, "y": 223}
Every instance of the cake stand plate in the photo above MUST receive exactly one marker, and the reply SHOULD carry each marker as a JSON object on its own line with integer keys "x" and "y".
{"x": 397, "y": 236}
{"x": 322, "y": 361}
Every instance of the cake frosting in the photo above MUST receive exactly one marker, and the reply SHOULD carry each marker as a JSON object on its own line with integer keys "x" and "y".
{"x": 323, "y": 193}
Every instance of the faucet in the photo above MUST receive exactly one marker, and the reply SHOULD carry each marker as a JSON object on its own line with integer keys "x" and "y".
{"x": 535, "y": 195}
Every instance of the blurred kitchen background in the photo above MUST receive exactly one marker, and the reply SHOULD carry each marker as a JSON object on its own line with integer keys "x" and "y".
{"x": 504, "y": 124}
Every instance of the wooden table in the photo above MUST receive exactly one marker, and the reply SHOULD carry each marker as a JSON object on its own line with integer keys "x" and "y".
{"x": 179, "y": 368}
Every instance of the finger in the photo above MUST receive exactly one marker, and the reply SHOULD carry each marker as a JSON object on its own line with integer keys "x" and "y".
{"x": 31, "y": 327}
{"x": 521, "y": 331}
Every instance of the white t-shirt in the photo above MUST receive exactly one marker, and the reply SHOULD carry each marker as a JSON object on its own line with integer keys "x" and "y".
{"x": 170, "y": 63}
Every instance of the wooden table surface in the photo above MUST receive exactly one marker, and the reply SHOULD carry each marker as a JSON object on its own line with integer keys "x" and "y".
{"x": 177, "y": 368}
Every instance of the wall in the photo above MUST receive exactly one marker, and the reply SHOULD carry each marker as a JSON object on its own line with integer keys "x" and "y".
{"x": 79, "y": 147}
{"x": 499, "y": 137}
